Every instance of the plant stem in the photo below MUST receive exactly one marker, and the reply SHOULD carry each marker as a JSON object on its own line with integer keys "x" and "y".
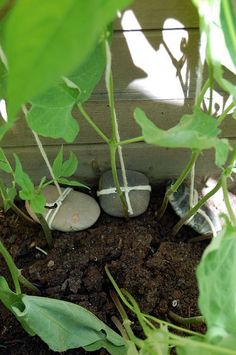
{"x": 188, "y": 320}
{"x": 44, "y": 155}
{"x": 113, "y": 148}
{"x": 209, "y": 111}
{"x": 176, "y": 185}
{"x": 115, "y": 134}
{"x": 202, "y": 93}
{"x": 93, "y": 124}
{"x": 125, "y": 319}
{"x": 227, "y": 201}
{"x": 47, "y": 231}
{"x": 226, "y": 173}
{"x": 27, "y": 283}
{"x": 21, "y": 213}
{"x": 12, "y": 268}
{"x": 225, "y": 112}
{"x": 132, "y": 140}
{"x": 195, "y": 208}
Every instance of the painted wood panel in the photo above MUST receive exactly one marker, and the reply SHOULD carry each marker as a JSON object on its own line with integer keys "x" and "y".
{"x": 165, "y": 113}
{"x": 157, "y": 163}
{"x": 153, "y": 65}
{"x": 152, "y": 14}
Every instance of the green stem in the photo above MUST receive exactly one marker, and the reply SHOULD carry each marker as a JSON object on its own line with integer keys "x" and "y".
{"x": 21, "y": 213}
{"x": 195, "y": 208}
{"x": 226, "y": 173}
{"x": 113, "y": 148}
{"x": 47, "y": 231}
{"x": 227, "y": 201}
{"x": 138, "y": 313}
{"x": 114, "y": 143}
{"x": 173, "y": 326}
{"x": 200, "y": 97}
{"x": 93, "y": 124}
{"x": 118, "y": 291}
{"x": 186, "y": 321}
{"x": 132, "y": 140}
{"x": 27, "y": 283}
{"x": 12, "y": 268}
{"x": 125, "y": 319}
{"x": 176, "y": 185}
{"x": 209, "y": 111}
{"x": 225, "y": 112}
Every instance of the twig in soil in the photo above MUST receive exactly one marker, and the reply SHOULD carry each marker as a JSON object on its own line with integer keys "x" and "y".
{"x": 41, "y": 250}
{"x": 186, "y": 321}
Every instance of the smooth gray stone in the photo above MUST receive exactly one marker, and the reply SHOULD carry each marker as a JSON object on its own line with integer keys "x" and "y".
{"x": 78, "y": 211}
{"x": 139, "y": 198}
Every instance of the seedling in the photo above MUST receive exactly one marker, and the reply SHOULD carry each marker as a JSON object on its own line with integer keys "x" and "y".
{"x": 62, "y": 325}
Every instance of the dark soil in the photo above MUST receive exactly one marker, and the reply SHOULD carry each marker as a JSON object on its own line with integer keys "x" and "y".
{"x": 157, "y": 271}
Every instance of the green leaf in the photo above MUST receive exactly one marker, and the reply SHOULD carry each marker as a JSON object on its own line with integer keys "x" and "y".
{"x": 21, "y": 178}
{"x": 197, "y": 131}
{"x": 69, "y": 166}
{"x": 76, "y": 183}
{"x": 63, "y": 325}
{"x": 36, "y": 199}
{"x": 216, "y": 21}
{"x": 57, "y": 163}
{"x": 228, "y": 22}
{"x": 50, "y": 114}
{"x": 4, "y": 128}
{"x": 216, "y": 279}
{"x": 3, "y": 80}
{"x": 66, "y": 168}
{"x": 55, "y": 38}
{"x": 4, "y": 163}
{"x": 11, "y": 194}
{"x": 111, "y": 348}
{"x": 86, "y": 77}
{"x": 38, "y": 202}
{"x": 7, "y": 296}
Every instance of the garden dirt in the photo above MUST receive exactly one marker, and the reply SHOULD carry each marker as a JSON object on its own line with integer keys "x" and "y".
{"x": 142, "y": 257}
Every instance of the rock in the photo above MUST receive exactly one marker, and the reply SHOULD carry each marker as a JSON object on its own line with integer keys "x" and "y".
{"x": 77, "y": 212}
{"x": 213, "y": 208}
{"x": 139, "y": 198}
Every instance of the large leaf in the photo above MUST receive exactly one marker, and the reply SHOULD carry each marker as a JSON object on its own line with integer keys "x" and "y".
{"x": 218, "y": 21}
{"x": 228, "y": 21}
{"x": 63, "y": 325}
{"x": 216, "y": 279}
{"x": 50, "y": 114}
{"x": 87, "y": 76}
{"x": 4, "y": 163}
{"x": 46, "y": 39}
{"x": 197, "y": 131}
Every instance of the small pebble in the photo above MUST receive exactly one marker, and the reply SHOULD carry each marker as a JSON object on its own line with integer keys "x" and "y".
{"x": 174, "y": 303}
{"x": 50, "y": 264}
